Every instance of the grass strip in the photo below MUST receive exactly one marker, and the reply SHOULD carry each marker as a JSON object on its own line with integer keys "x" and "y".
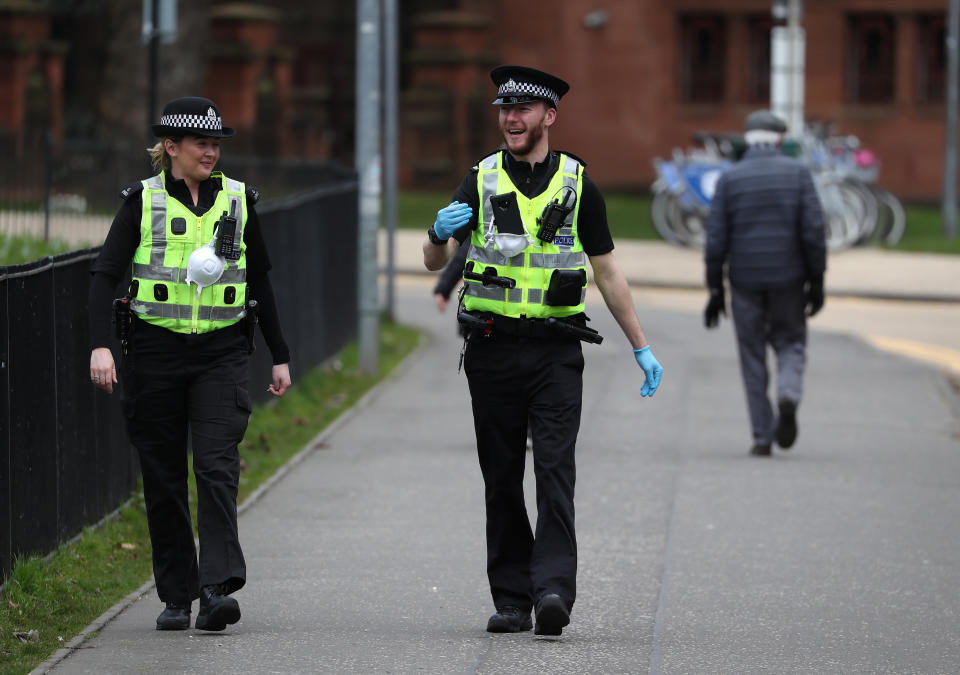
{"x": 60, "y": 596}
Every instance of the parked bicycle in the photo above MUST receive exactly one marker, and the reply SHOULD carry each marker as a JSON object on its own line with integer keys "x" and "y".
{"x": 857, "y": 211}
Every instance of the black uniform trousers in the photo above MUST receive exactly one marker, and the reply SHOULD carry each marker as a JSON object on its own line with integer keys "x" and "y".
{"x": 174, "y": 384}
{"x": 514, "y": 380}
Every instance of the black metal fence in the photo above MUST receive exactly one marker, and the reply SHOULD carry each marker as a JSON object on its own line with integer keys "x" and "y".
{"x": 65, "y": 461}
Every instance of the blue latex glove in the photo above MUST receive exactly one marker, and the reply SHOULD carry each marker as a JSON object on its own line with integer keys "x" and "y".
{"x": 651, "y": 369}
{"x": 451, "y": 218}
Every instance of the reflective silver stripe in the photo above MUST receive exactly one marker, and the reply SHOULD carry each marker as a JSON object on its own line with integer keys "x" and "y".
{"x": 166, "y": 310}
{"x": 489, "y": 189}
{"x": 553, "y": 261}
{"x": 491, "y": 256}
{"x": 158, "y": 226}
{"x": 478, "y": 290}
{"x": 564, "y": 260}
{"x": 490, "y": 163}
{"x": 535, "y": 296}
{"x": 156, "y": 272}
{"x": 172, "y": 274}
{"x": 162, "y": 310}
{"x": 570, "y": 168}
{"x": 155, "y": 183}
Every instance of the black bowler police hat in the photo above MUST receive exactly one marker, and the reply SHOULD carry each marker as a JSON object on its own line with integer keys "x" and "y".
{"x": 519, "y": 84}
{"x": 764, "y": 120}
{"x": 194, "y": 116}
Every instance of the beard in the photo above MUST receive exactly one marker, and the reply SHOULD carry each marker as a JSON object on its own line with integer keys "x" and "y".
{"x": 531, "y": 138}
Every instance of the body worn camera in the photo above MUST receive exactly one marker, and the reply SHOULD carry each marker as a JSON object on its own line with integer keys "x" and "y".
{"x": 553, "y": 215}
{"x": 226, "y": 235}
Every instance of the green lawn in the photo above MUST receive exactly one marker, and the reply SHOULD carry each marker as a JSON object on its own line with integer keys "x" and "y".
{"x": 60, "y": 597}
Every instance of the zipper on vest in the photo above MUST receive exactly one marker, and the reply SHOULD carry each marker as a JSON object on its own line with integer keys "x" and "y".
{"x": 195, "y": 303}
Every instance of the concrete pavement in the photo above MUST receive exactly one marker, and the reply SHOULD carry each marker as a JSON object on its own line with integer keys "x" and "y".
{"x": 838, "y": 556}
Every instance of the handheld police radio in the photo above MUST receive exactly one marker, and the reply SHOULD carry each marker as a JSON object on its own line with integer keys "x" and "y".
{"x": 554, "y": 214}
{"x": 226, "y": 234}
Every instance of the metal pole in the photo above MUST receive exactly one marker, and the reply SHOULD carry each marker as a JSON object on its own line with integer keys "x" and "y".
{"x": 154, "y": 42}
{"x": 368, "y": 171}
{"x": 390, "y": 140}
{"x": 950, "y": 145}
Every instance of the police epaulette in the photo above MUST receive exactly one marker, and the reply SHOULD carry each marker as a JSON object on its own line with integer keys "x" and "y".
{"x": 570, "y": 154}
{"x": 130, "y": 190}
{"x": 253, "y": 194}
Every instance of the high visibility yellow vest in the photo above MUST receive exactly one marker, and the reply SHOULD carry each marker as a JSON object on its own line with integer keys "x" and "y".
{"x": 169, "y": 233}
{"x": 532, "y": 268}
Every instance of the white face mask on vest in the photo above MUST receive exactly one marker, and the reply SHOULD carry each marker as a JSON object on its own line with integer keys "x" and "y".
{"x": 511, "y": 244}
{"x": 204, "y": 267}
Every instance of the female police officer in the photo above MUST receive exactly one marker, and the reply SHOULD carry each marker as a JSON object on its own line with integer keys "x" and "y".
{"x": 198, "y": 257}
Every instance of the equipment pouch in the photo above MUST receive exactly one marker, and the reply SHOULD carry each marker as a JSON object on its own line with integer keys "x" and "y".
{"x": 566, "y": 288}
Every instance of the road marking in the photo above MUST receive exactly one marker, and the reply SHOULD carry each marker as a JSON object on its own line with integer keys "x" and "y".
{"x": 941, "y": 356}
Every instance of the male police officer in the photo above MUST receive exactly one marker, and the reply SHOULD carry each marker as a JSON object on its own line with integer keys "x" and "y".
{"x": 766, "y": 223}
{"x": 533, "y": 217}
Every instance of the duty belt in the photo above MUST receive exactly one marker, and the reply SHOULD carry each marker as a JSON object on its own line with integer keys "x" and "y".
{"x": 541, "y": 329}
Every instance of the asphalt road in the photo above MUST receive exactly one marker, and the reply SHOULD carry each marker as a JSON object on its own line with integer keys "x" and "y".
{"x": 840, "y": 556}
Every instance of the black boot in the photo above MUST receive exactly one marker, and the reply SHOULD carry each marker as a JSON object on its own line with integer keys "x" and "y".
{"x": 786, "y": 433}
{"x": 509, "y": 619}
{"x": 174, "y": 617}
{"x": 217, "y": 609}
{"x": 552, "y": 615}
{"x": 760, "y": 450}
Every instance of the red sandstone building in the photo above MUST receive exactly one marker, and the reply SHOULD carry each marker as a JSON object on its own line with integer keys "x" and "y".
{"x": 645, "y": 76}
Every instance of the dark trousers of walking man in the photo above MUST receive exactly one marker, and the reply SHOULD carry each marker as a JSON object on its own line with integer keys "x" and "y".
{"x": 523, "y": 565}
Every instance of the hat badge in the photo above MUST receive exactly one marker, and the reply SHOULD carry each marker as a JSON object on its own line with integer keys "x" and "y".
{"x": 211, "y": 113}
{"x": 510, "y": 85}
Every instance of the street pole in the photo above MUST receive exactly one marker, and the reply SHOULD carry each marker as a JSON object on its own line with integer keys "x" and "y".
{"x": 368, "y": 171}
{"x": 949, "y": 208}
{"x": 787, "y": 59}
{"x": 153, "y": 48}
{"x": 390, "y": 140}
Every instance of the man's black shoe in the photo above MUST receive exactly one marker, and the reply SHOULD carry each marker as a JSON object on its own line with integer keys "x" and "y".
{"x": 216, "y": 609}
{"x": 509, "y": 619}
{"x": 787, "y": 424}
{"x": 552, "y": 615}
{"x": 174, "y": 617}
{"x": 760, "y": 450}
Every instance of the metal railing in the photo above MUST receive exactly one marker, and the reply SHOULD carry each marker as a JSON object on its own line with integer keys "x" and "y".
{"x": 65, "y": 461}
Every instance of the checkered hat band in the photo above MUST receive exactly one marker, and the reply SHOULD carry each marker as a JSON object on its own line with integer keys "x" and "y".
{"x": 191, "y": 122}
{"x": 513, "y": 89}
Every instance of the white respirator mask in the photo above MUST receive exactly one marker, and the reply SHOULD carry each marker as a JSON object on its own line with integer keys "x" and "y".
{"x": 204, "y": 267}
{"x": 511, "y": 244}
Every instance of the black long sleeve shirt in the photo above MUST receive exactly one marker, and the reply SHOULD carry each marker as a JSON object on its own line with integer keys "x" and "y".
{"x": 124, "y": 237}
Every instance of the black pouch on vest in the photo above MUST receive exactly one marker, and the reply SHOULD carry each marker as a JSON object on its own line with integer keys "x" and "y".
{"x": 566, "y": 287}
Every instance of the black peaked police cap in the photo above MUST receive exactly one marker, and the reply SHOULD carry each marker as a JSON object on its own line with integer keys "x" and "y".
{"x": 519, "y": 84}
{"x": 194, "y": 116}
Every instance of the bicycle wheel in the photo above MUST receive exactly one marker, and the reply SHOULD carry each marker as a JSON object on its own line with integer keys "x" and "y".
{"x": 660, "y": 208}
{"x": 895, "y": 217}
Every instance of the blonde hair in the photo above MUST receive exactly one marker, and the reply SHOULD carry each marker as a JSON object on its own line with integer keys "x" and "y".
{"x": 158, "y": 154}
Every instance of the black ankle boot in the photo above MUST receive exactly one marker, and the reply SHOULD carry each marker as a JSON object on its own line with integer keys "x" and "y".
{"x": 217, "y": 609}
{"x": 174, "y": 617}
